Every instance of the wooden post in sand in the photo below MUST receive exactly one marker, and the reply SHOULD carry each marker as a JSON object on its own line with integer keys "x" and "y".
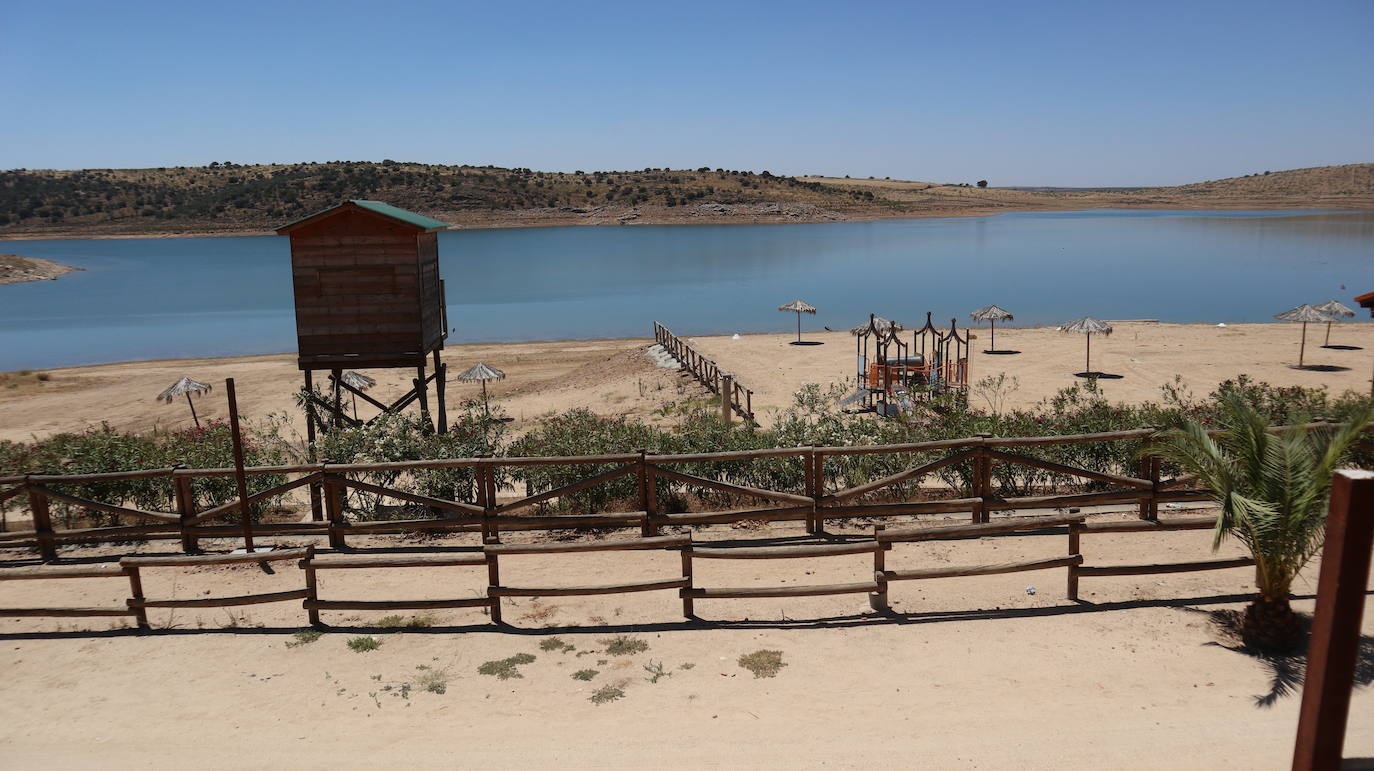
{"x": 877, "y": 600}
{"x": 1333, "y": 652}
{"x": 727, "y": 389}
{"x": 240, "y": 477}
{"x": 42, "y": 522}
{"x": 186, "y": 509}
{"x": 1075, "y": 540}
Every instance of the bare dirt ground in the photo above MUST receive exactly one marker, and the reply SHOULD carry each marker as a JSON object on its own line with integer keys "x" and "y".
{"x": 613, "y": 377}
{"x": 964, "y": 673}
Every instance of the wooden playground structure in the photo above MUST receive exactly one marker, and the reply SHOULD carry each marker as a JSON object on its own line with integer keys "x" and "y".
{"x": 893, "y": 374}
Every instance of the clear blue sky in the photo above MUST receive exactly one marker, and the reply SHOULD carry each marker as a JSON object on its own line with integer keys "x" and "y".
{"x": 1053, "y": 92}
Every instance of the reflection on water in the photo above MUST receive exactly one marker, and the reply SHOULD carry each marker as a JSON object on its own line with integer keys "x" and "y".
{"x": 160, "y": 298}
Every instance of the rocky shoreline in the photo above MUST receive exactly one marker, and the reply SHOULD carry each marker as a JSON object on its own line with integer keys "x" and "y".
{"x": 16, "y": 270}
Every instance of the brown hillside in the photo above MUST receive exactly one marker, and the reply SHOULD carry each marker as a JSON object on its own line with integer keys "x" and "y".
{"x": 232, "y": 198}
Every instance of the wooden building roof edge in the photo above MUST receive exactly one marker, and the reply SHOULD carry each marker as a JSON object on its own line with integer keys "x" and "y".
{"x": 427, "y": 224}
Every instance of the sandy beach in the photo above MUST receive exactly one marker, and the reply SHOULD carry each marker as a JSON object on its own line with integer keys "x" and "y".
{"x": 1031, "y": 679}
{"x": 614, "y": 377}
{"x": 965, "y": 673}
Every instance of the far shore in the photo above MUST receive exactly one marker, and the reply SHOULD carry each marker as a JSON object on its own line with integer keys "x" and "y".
{"x": 660, "y": 215}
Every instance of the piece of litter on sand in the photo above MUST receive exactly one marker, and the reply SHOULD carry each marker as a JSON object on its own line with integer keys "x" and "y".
{"x": 735, "y": 337}
{"x": 1030, "y": 590}
{"x": 1222, "y": 324}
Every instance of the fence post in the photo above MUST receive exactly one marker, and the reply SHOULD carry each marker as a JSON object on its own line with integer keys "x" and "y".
{"x": 493, "y": 581}
{"x": 1334, "y": 649}
{"x": 878, "y": 600}
{"x": 688, "y": 611}
{"x": 818, "y": 481}
{"x": 982, "y": 479}
{"x": 727, "y": 392}
{"x": 1075, "y": 535}
{"x": 1149, "y": 469}
{"x": 136, "y": 596}
{"x": 334, "y": 507}
{"x": 311, "y": 587}
{"x": 809, "y": 485}
{"x": 648, "y": 495}
{"x": 42, "y": 521}
{"x": 486, "y": 491}
{"x": 186, "y": 509}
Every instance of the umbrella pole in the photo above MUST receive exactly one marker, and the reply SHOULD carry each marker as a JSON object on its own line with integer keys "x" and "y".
{"x": 799, "y": 326}
{"x": 992, "y": 344}
{"x": 1302, "y": 347}
{"x": 193, "y": 409}
{"x": 1088, "y": 360}
{"x": 486, "y": 405}
{"x": 1328, "y": 335}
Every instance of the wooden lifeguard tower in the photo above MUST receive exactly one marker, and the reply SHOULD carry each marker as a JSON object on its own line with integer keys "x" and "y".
{"x": 368, "y": 296}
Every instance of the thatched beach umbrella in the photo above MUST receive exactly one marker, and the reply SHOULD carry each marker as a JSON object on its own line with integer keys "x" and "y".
{"x": 877, "y": 324}
{"x": 1088, "y": 325}
{"x": 799, "y": 307}
{"x": 1304, "y": 314}
{"x": 185, "y": 386}
{"x": 1337, "y": 309}
{"x": 991, "y": 314}
{"x": 481, "y": 373}
{"x": 359, "y": 381}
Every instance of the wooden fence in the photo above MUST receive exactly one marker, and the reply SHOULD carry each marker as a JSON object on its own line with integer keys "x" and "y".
{"x": 822, "y": 497}
{"x": 740, "y": 399}
{"x": 878, "y": 544}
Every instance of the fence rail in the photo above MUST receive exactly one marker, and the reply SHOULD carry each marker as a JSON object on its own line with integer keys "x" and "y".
{"x": 822, "y": 496}
{"x": 707, "y": 372}
{"x": 880, "y": 543}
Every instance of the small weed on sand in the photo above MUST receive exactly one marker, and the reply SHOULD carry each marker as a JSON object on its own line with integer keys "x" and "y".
{"x": 555, "y": 644}
{"x": 433, "y": 681}
{"x": 303, "y": 637}
{"x": 585, "y": 674}
{"x": 687, "y": 665}
{"x": 364, "y": 644}
{"x": 403, "y": 622}
{"x": 539, "y": 612}
{"x": 506, "y": 669}
{"x": 606, "y": 693}
{"x": 622, "y": 645}
{"x": 763, "y": 663}
{"x": 656, "y": 671}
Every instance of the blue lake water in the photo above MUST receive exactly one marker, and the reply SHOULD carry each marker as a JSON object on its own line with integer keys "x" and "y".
{"x": 163, "y": 298}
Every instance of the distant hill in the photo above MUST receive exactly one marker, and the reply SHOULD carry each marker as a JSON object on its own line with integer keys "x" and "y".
{"x": 233, "y": 198}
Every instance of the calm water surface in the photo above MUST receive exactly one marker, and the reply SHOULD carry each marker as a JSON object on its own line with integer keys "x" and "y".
{"x": 162, "y": 298}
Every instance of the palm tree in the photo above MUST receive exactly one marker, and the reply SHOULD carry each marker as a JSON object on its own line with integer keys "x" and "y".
{"x": 1272, "y": 488}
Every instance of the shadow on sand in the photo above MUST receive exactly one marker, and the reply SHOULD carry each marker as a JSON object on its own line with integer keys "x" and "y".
{"x": 1099, "y": 375}
{"x": 806, "y": 342}
{"x": 1001, "y": 352}
{"x": 1342, "y": 347}
{"x": 1286, "y": 671}
{"x": 1320, "y": 368}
